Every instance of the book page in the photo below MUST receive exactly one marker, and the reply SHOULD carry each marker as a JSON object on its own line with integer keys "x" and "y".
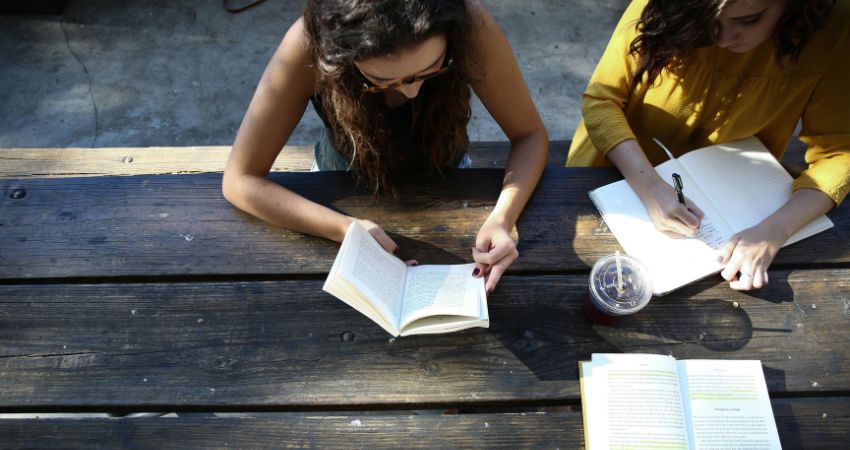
{"x": 727, "y": 405}
{"x": 671, "y": 262}
{"x": 375, "y": 272}
{"x": 633, "y": 401}
{"x": 746, "y": 183}
{"x": 441, "y": 290}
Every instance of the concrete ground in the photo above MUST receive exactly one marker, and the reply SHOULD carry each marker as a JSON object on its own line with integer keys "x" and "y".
{"x": 172, "y": 73}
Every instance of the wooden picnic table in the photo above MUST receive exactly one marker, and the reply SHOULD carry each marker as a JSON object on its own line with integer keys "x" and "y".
{"x": 150, "y": 293}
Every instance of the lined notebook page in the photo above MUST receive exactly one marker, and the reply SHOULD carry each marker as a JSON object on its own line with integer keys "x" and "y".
{"x": 746, "y": 183}
{"x": 671, "y": 262}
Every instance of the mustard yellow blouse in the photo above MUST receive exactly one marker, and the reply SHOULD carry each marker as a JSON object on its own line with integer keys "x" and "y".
{"x": 722, "y": 96}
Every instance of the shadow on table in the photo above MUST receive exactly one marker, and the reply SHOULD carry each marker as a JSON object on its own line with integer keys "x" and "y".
{"x": 425, "y": 252}
{"x": 551, "y": 335}
{"x": 786, "y": 424}
{"x": 779, "y": 290}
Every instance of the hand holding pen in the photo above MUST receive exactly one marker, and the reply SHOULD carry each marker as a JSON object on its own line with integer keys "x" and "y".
{"x": 690, "y": 211}
{"x": 669, "y": 209}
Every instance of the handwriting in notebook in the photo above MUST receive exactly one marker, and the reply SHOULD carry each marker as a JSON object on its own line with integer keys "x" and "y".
{"x": 710, "y": 234}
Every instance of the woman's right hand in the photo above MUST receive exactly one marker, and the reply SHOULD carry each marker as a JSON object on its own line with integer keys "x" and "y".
{"x": 660, "y": 199}
{"x": 665, "y": 211}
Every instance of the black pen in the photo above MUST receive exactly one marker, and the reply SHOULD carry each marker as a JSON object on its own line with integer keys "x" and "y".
{"x": 677, "y": 183}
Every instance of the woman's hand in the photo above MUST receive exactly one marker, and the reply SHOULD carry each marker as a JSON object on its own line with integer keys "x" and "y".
{"x": 384, "y": 239}
{"x": 751, "y": 251}
{"x": 380, "y": 235}
{"x": 667, "y": 213}
{"x": 494, "y": 251}
{"x": 660, "y": 198}
{"x": 748, "y": 254}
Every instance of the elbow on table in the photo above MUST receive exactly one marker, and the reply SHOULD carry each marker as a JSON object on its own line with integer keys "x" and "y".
{"x": 231, "y": 187}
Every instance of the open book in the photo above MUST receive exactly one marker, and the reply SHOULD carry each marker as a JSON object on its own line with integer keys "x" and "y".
{"x": 405, "y": 300}
{"x": 654, "y": 401}
{"x": 737, "y": 185}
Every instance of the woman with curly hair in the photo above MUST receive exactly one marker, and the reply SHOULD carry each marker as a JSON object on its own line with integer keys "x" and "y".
{"x": 693, "y": 73}
{"x": 391, "y": 81}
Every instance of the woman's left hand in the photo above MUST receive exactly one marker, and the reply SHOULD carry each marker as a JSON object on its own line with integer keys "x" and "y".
{"x": 494, "y": 251}
{"x": 748, "y": 254}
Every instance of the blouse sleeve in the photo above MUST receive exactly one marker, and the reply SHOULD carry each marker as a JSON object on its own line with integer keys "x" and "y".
{"x": 826, "y": 129}
{"x": 603, "y": 102}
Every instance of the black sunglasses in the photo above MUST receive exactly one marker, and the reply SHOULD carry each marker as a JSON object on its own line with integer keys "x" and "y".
{"x": 371, "y": 88}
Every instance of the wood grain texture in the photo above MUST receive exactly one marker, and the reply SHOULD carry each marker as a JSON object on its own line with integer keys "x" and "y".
{"x": 485, "y": 431}
{"x": 822, "y": 423}
{"x": 82, "y": 162}
{"x": 151, "y": 293}
{"x": 87, "y": 162}
{"x": 171, "y": 225}
{"x": 277, "y": 344}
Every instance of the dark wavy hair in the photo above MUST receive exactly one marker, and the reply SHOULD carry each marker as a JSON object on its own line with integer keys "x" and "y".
{"x": 669, "y": 30}
{"x": 340, "y": 32}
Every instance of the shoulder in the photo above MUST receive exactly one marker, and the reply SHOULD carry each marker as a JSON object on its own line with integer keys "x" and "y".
{"x": 838, "y": 25}
{"x": 488, "y": 41}
{"x": 634, "y": 10}
{"x": 831, "y": 44}
{"x": 483, "y": 20}
{"x": 841, "y": 13}
{"x": 626, "y": 30}
{"x": 631, "y": 16}
{"x": 292, "y": 60}
{"x": 295, "y": 42}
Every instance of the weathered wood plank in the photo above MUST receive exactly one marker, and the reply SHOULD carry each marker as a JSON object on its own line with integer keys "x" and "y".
{"x": 487, "y": 431}
{"x": 813, "y": 422}
{"x": 168, "y": 225}
{"x": 82, "y": 162}
{"x": 802, "y": 423}
{"x": 243, "y": 345}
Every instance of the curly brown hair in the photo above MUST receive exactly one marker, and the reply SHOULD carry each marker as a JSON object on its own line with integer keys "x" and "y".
{"x": 340, "y": 32}
{"x": 669, "y": 30}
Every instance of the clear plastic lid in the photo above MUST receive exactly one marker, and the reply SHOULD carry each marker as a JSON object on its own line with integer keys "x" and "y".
{"x": 606, "y": 292}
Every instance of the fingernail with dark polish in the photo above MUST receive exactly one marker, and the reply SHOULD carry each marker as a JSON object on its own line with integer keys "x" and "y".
{"x": 489, "y": 291}
{"x": 414, "y": 264}
{"x": 395, "y": 252}
{"x": 476, "y": 272}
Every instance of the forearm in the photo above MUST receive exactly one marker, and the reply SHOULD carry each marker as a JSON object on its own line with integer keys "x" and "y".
{"x": 523, "y": 169}
{"x": 804, "y": 206}
{"x": 281, "y": 207}
{"x": 630, "y": 159}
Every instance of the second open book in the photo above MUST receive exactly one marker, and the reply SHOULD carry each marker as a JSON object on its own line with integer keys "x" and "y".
{"x": 647, "y": 401}
{"x": 736, "y": 185}
{"x": 405, "y": 300}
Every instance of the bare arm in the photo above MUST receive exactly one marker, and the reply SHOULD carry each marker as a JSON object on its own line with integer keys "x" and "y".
{"x": 278, "y": 104}
{"x": 505, "y": 95}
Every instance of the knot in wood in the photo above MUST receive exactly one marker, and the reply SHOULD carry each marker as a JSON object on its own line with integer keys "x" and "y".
{"x": 347, "y": 336}
{"x": 221, "y": 362}
{"x": 17, "y": 194}
{"x": 127, "y": 159}
{"x": 430, "y": 367}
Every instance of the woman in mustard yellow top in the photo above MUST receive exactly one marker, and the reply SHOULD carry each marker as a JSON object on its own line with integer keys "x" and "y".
{"x": 698, "y": 72}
